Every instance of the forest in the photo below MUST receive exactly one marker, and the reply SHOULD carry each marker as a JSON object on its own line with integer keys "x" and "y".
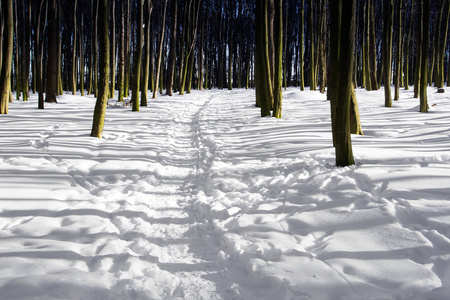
{"x": 140, "y": 46}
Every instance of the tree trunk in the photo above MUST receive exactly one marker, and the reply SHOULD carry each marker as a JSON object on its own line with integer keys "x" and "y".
{"x": 312, "y": 63}
{"x": 173, "y": 50}
{"x": 264, "y": 92}
{"x": 387, "y": 50}
{"x": 443, "y": 43}
{"x": 103, "y": 88}
{"x": 74, "y": 47}
{"x": 7, "y": 52}
{"x": 372, "y": 48}
{"x": 424, "y": 60}
{"x": 398, "y": 56}
{"x": 417, "y": 70}
{"x": 230, "y": 45}
{"x": 341, "y": 60}
{"x": 160, "y": 47}
{"x": 95, "y": 54}
{"x": 147, "y": 19}
{"x": 52, "y": 63}
{"x": 368, "y": 82}
{"x": 137, "y": 59}
{"x": 112, "y": 56}
{"x": 121, "y": 75}
{"x": 302, "y": 38}
{"x": 278, "y": 35}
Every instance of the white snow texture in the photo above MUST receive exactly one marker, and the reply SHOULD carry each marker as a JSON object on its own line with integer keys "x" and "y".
{"x": 198, "y": 197}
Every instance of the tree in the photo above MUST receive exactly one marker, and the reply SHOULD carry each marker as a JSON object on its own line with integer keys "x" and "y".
{"x": 74, "y": 46}
{"x": 173, "y": 50}
{"x": 264, "y": 91}
{"x": 160, "y": 47}
{"x": 147, "y": 41}
{"x": 398, "y": 52}
{"x": 52, "y": 60}
{"x": 387, "y": 50}
{"x": 137, "y": 59}
{"x": 341, "y": 68}
{"x": 103, "y": 88}
{"x": 443, "y": 42}
{"x": 38, "y": 54}
{"x": 425, "y": 13}
{"x": 7, "y": 52}
{"x": 278, "y": 38}
{"x": 301, "y": 54}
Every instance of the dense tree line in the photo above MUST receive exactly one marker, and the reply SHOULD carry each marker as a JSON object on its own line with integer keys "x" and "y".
{"x": 167, "y": 46}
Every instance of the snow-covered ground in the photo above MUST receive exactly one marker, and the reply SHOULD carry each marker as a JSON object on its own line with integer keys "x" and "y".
{"x": 197, "y": 197}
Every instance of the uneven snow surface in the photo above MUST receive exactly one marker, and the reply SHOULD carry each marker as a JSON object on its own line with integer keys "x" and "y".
{"x": 198, "y": 197}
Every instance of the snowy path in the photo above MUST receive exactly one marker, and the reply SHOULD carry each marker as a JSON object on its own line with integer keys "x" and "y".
{"x": 197, "y": 197}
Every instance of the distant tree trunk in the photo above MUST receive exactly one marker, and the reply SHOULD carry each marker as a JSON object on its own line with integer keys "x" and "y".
{"x": 264, "y": 91}
{"x": 121, "y": 75}
{"x": 81, "y": 53}
{"x": 102, "y": 99}
{"x": 127, "y": 49}
{"x": 52, "y": 63}
{"x": 398, "y": 56}
{"x": 312, "y": 63}
{"x": 372, "y": 48}
{"x": 270, "y": 21}
{"x": 200, "y": 52}
{"x": 7, "y": 52}
{"x": 137, "y": 58}
{"x": 17, "y": 43}
{"x": 322, "y": 46}
{"x": 38, "y": 54}
{"x": 95, "y": 54}
{"x": 230, "y": 46}
{"x": 147, "y": 19}
{"x": 417, "y": 70}
{"x": 387, "y": 50}
{"x": 160, "y": 47}
{"x": 278, "y": 34}
{"x": 173, "y": 50}
{"x": 443, "y": 43}
{"x": 74, "y": 47}
{"x": 406, "y": 49}
{"x": 302, "y": 38}
{"x": 341, "y": 67}
{"x": 112, "y": 58}
{"x": 424, "y": 61}
{"x": 368, "y": 82}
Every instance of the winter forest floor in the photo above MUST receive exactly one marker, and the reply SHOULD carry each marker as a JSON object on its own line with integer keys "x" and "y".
{"x": 198, "y": 197}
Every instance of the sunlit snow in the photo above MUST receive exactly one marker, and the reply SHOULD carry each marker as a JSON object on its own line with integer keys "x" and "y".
{"x": 198, "y": 197}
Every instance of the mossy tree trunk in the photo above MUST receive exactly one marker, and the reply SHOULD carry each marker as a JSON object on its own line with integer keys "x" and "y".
{"x": 278, "y": 39}
{"x": 103, "y": 88}
{"x": 341, "y": 67}
{"x": 7, "y": 52}
{"x": 137, "y": 58}
{"x": 443, "y": 43}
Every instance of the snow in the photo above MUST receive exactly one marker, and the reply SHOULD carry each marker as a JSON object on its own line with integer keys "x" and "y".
{"x": 198, "y": 197}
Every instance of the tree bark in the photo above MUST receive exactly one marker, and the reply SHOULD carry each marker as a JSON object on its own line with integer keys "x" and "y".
{"x": 52, "y": 63}
{"x": 147, "y": 19}
{"x": 160, "y": 47}
{"x": 398, "y": 56}
{"x": 278, "y": 39}
{"x": 137, "y": 59}
{"x": 173, "y": 50}
{"x": 424, "y": 57}
{"x": 441, "y": 56}
{"x": 102, "y": 99}
{"x": 387, "y": 50}
{"x": 7, "y": 52}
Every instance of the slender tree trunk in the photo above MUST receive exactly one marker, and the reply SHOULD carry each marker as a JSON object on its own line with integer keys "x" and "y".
{"x": 440, "y": 67}
{"x": 102, "y": 99}
{"x": 387, "y": 50}
{"x": 230, "y": 46}
{"x": 173, "y": 50}
{"x": 312, "y": 63}
{"x": 417, "y": 68}
{"x": 160, "y": 47}
{"x": 38, "y": 55}
{"x": 302, "y": 38}
{"x": 112, "y": 56}
{"x": 74, "y": 47}
{"x": 278, "y": 38}
{"x": 7, "y": 52}
{"x": 200, "y": 52}
{"x": 368, "y": 83}
{"x": 398, "y": 56}
{"x": 372, "y": 48}
{"x": 137, "y": 59}
{"x": 95, "y": 54}
{"x": 82, "y": 53}
{"x": 406, "y": 48}
{"x": 424, "y": 61}
{"x": 121, "y": 75}
{"x": 147, "y": 19}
